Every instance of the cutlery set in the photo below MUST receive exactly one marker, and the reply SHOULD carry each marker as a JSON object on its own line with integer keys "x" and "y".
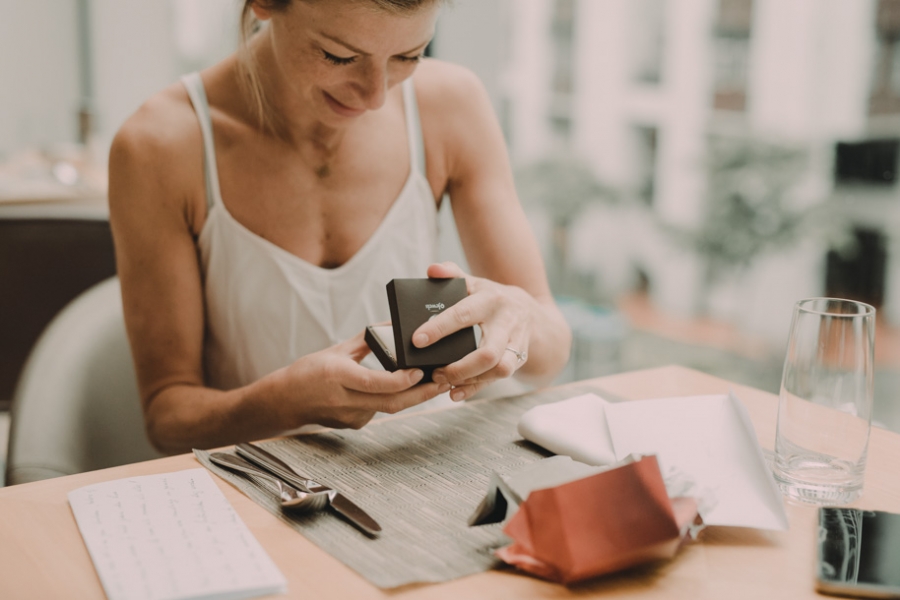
{"x": 296, "y": 492}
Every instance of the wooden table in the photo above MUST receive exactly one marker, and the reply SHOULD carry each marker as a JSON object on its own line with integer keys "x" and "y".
{"x": 42, "y": 554}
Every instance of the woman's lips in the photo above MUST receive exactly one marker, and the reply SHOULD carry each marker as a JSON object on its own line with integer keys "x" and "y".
{"x": 341, "y": 109}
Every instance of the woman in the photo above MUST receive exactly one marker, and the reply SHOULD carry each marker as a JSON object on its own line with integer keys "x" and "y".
{"x": 260, "y": 207}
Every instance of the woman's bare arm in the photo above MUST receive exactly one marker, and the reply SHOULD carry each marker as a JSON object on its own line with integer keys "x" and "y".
{"x": 467, "y": 150}
{"x": 155, "y": 190}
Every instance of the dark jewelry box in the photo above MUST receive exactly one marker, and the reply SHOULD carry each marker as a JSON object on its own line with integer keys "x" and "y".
{"x": 412, "y": 302}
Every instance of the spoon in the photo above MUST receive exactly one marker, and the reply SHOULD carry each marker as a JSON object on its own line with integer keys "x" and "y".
{"x": 291, "y": 498}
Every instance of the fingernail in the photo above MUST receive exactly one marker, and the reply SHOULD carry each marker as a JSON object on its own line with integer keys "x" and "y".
{"x": 417, "y": 375}
{"x": 444, "y": 387}
{"x": 439, "y": 377}
{"x": 420, "y": 339}
{"x": 457, "y": 395}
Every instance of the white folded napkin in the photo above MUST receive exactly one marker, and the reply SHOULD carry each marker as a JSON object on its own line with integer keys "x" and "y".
{"x": 575, "y": 427}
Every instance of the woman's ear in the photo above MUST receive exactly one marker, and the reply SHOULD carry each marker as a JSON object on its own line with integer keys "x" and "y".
{"x": 260, "y": 12}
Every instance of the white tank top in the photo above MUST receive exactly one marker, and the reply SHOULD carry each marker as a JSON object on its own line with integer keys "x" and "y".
{"x": 266, "y": 307}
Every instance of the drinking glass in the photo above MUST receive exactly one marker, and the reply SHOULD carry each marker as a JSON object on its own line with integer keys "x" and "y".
{"x": 825, "y": 405}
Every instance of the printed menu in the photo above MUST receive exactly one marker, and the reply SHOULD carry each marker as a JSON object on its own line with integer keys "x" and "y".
{"x": 172, "y": 536}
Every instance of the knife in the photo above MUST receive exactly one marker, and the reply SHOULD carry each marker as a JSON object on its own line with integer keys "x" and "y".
{"x": 339, "y": 502}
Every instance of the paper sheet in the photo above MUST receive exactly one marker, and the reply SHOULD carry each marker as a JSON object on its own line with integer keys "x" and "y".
{"x": 420, "y": 477}
{"x": 712, "y": 441}
{"x": 171, "y": 536}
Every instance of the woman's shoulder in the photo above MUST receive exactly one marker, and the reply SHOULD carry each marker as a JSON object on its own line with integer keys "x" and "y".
{"x": 458, "y": 120}
{"x": 160, "y": 130}
{"x": 449, "y": 89}
{"x": 155, "y": 160}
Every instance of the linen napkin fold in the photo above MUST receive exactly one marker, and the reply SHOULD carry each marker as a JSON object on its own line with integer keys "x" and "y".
{"x": 575, "y": 427}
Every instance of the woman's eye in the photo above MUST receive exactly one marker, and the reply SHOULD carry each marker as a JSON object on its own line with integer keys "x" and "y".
{"x": 411, "y": 59}
{"x": 338, "y": 60}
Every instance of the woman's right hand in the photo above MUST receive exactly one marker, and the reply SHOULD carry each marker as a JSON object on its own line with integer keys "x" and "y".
{"x": 331, "y": 388}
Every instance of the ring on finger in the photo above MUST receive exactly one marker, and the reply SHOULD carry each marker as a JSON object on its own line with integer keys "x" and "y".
{"x": 521, "y": 356}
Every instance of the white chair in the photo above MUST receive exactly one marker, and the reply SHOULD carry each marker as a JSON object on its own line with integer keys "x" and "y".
{"x": 76, "y": 407}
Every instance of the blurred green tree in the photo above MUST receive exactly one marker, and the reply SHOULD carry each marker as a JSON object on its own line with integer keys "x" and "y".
{"x": 562, "y": 186}
{"x": 752, "y": 208}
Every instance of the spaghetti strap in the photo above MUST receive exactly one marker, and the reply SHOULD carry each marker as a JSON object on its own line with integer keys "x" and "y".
{"x": 194, "y": 85}
{"x": 413, "y": 127}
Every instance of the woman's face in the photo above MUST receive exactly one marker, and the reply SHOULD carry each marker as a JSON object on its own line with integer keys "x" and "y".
{"x": 339, "y": 57}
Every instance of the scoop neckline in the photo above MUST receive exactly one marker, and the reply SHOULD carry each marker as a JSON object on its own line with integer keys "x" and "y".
{"x": 290, "y": 256}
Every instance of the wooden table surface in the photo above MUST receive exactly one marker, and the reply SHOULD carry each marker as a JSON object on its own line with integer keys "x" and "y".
{"x": 42, "y": 555}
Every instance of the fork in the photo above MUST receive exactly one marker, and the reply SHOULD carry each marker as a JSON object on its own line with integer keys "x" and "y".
{"x": 291, "y": 498}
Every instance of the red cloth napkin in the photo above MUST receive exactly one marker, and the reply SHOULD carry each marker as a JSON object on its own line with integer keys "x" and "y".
{"x": 600, "y": 524}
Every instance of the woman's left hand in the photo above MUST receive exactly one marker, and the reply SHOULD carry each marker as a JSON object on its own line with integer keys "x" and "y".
{"x": 505, "y": 314}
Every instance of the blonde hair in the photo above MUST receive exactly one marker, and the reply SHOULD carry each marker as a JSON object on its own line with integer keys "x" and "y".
{"x": 248, "y": 71}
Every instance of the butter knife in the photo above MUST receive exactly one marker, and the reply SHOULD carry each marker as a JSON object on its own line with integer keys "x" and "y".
{"x": 339, "y": 502}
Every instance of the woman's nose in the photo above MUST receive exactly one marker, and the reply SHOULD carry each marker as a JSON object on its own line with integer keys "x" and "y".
{"x": 373, "y": 85}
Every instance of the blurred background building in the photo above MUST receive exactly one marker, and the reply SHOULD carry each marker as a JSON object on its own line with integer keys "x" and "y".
{"x": 678, "y": 108}
{"x": 694, "y": 167}
{"x": 691, "y": 168}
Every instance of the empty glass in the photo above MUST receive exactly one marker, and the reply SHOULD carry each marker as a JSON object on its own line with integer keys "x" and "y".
{"x": 825, "y": 407}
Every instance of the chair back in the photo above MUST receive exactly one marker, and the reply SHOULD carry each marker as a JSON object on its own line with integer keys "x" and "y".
{"x": 76, "y": 406}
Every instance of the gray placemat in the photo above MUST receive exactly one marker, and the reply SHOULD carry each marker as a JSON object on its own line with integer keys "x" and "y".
{"x": 420, "y": 477}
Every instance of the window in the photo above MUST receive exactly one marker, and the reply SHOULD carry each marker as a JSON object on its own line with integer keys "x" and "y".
{"x": 563, "y": 75}
{"x": 649, "y": 35}
{"x": 885, "y": 96}
{"x": 647, "y": 151}
{"x": 873, "y": 162}
{"x": 860, "y": 272}
{"x": 731, "y": 48}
